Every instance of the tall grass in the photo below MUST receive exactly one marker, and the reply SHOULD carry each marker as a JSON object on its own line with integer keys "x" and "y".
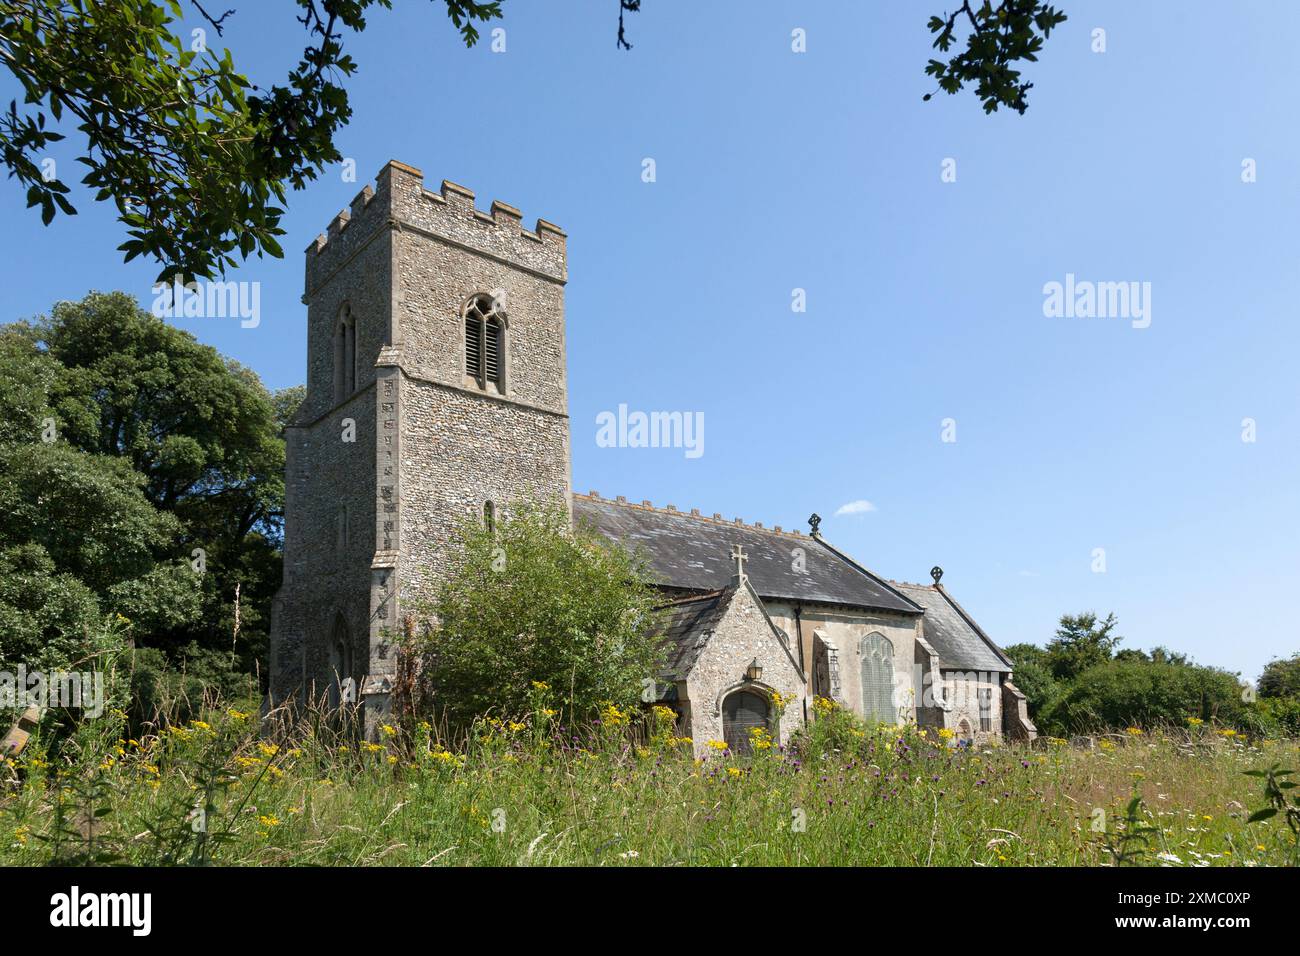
{"x": 300, "y": 788}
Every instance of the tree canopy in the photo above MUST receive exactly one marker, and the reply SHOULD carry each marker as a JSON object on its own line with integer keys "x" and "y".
{"x": 141, "y": 481}
{"x": 999, "y": 36}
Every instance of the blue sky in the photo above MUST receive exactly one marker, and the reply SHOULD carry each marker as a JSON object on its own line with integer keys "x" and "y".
{"x": 821, "y": 171}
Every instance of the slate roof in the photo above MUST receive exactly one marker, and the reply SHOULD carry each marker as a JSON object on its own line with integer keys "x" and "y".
{"x": 686, "y": 626}
{"x": 692, "y": 552}
{"x": 956, "y": 638}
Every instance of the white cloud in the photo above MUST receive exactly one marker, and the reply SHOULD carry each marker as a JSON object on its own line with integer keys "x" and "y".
{"x": 859, "y": 507}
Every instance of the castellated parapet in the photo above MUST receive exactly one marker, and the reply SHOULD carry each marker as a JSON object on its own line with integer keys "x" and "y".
{"x": 369, "y": 520}
{"x": 399, "y": 198}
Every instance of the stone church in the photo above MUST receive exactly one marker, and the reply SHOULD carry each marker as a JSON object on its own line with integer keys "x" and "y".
{"x": 436, "y": 389}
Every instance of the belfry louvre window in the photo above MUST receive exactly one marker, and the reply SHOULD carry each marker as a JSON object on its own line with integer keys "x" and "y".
{"x": 485, "y": 343}
{"x": 878, "y": 679}
{"x": 986, "y": 708}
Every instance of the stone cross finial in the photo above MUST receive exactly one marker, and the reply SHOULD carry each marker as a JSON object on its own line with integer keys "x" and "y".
{"x": 936, "y": 572}
{"x": 814, "y": 521}
{"x": 738, "y": 555}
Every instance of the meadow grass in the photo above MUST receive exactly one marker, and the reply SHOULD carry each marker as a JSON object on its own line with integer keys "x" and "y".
{"x": 235, "y": 790}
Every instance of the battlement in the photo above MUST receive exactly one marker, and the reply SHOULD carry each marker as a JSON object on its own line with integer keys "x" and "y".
{"x": 400, "y": 200}
{"x": 717, "y": 518}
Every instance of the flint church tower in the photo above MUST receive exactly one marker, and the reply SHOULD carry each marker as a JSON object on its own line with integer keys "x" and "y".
{"x": 436, "y": 391}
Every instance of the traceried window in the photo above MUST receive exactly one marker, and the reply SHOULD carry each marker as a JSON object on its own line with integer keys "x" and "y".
{"x": 878, "y": 679}
{"x": 485, "y": 343}
{"x": 345, "y": 354}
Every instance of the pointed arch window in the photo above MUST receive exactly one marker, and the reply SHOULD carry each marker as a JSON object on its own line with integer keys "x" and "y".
{"x": 985, "y": 696}
{"x": 485, "y": 342}
{"x": 878, "y": 679}
{"x": 341, "y": 681}
{"x": 345, "y": 354}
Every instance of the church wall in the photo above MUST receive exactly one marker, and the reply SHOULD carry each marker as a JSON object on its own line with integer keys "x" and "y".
{"x": 459, "y": 451}
{"x": 845, "y": 629}
{"x": 437, "y": 277}
{"x": 461, "y": 445}
{"x": 354, "y": 266}
{"x": 742, "y": 636}
{"x": 329, "y": 482}
{"x": 328, "y": 546}
{"x": 961, "y": 691}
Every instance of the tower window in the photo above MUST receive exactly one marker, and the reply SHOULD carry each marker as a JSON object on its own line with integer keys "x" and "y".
{"x": 485, "y": 342}
{"x": 490, "y": 517}
{"x": 345, "y": 354}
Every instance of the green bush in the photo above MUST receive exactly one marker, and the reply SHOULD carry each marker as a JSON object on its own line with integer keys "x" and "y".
{"x": 1130, "y": 693}
{"x": 534, "y": 600}
{"x": 1283, "y": 713}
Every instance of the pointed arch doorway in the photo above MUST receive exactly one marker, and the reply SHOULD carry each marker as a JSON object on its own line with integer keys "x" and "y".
{"x": 742, "y": 711}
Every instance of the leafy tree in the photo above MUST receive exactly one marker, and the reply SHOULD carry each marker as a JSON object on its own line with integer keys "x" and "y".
{"x": 1281, "y": 678}
{"x": 159, "y": 447}
{"x": 194, "y": 155}
{"x": 1081, "y": 642}
{"x": 48, "y": 619}
{"x": 78, "y": 538}
{"x": 86, "y": 512}
{"x": 1024, "y": 654}
{"x": 534, "y": 600}
{"x": 1034, "y": 678}
{"x": 1158, "y": 655}
{"x": 1000, "y": 36}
